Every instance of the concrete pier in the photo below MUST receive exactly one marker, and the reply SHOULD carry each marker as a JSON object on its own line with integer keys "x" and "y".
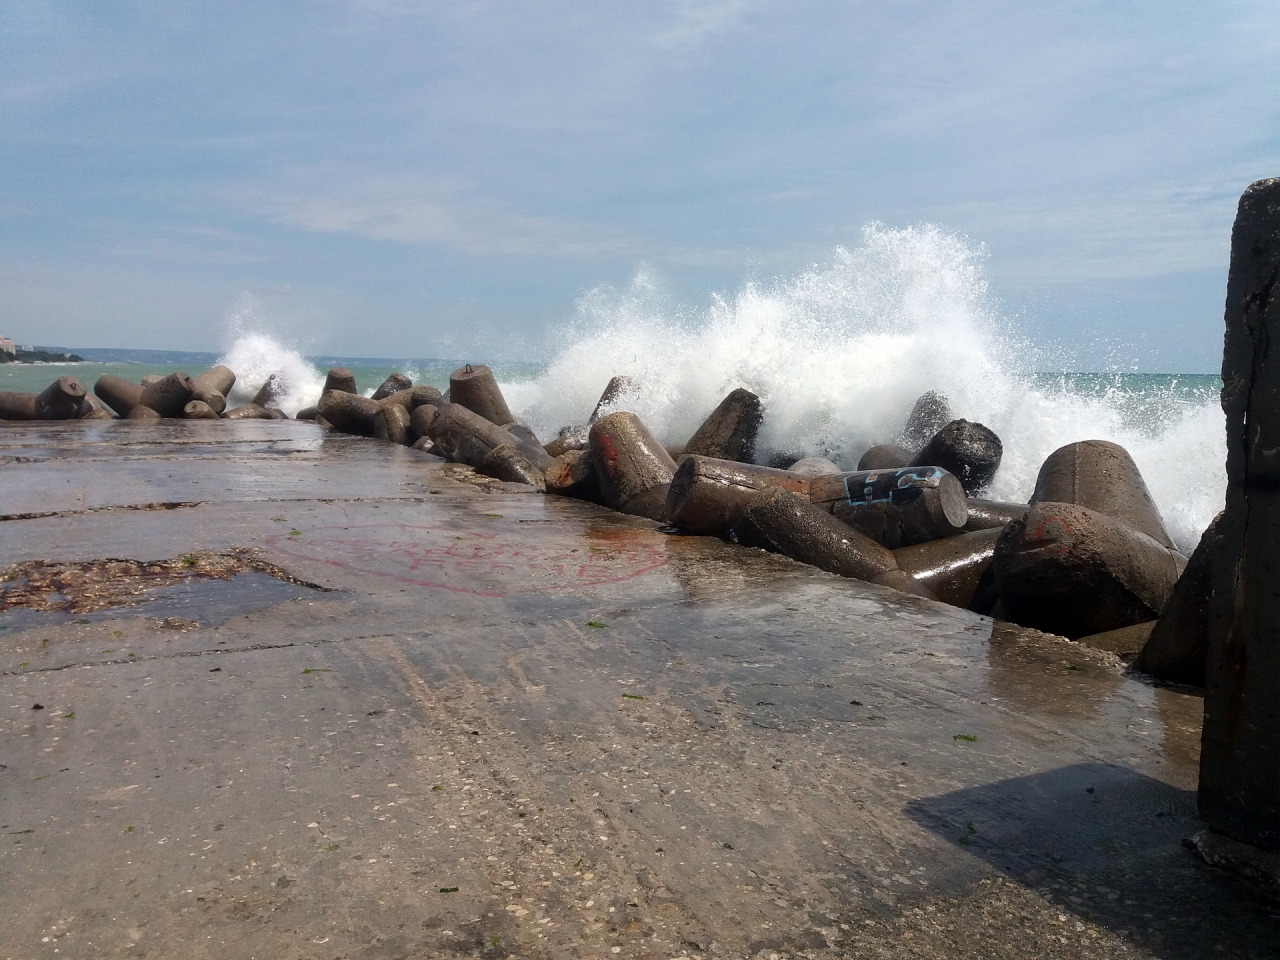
{"x": 378, "y": 706}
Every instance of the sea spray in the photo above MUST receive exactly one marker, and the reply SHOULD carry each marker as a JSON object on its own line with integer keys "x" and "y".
{"x": 839, "y": 353}
{"x": 255, "y": 356}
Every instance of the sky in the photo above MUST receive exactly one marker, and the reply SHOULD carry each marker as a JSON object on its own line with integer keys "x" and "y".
{"x": 434, "y": 179}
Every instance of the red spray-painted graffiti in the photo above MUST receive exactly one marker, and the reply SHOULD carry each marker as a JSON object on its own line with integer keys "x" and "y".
{"x": 466, "y": 561}
{"x": 1054, "y": 535}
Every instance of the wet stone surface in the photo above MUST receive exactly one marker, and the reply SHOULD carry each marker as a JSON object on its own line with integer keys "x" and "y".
{"x": 512, "y": 725}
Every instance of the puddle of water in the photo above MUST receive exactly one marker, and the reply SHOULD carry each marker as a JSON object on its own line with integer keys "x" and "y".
{"x": 207, "y": 602}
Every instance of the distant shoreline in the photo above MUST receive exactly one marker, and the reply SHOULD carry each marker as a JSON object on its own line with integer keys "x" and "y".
{"x": 40, "y": 356}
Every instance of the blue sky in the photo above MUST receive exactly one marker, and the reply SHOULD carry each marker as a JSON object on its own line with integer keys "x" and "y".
{"x": 404, "y": 178}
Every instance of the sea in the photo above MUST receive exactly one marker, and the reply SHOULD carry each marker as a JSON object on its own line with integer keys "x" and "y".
{"x": 837, "y": 353}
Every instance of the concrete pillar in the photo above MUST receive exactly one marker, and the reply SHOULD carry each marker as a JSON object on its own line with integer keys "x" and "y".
{"x": 1240, "y": 748}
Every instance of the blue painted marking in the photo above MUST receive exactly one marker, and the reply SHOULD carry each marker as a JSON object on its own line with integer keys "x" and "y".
{"x": 906, "y": 480}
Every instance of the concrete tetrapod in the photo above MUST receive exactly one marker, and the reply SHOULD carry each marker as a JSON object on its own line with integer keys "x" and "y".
{"x": 395, "y": 383}
{"x": 633, "y": 469}
{"x": 522, "y": 431}
{"x": 61, "y": 400}
{"x": 952, "y": 567}
{"x": 1240, "y": 749}
{"x": 473, "y": 386}
{"x": 214, "y": 400}
{"x": 709, "y": 496}
{"x": 414, "y": 397}
{"x": 1069, "y": 570}
{"x": 561, "y": 445}
{"x": 466, "y": 437}
{"x": 729, "y": 433}
{"x": 779, "y": 521}
{"x": 391, "y": 423}
{"x": 142, "y": 412}
{"x": 968, "y": 451}
{"x": 985, "y": 514}
{"x": 569, "y": 438}
{"x": 272, "y": 389}
{"x": 199, "y": 410}
{"x": 248, "y": 411}
{"x": 506, "y": 462}
{"x": 91, "y": 408}
{"x": 349, "y": 412}
{"x": 420, "y": 420}
{"x": 814, "y": 467}
{"x": 218, "y": 379}
{"x": 1178, "y": 648}
{"x": 930, "y": 414}
{"x": 884, "y": 456}
{"x": 616, "y": 387}
{"x": 1124, "y": 642}
{"x": 18, "y": 406}
{"x": 1103, "y": 477}
{"x": 340, "y": 379}
{"x": 168, "y": 395}
{"x": 896, "y": 508}
{"x": 573, "y": 474}
{"x": 117, "y": 393}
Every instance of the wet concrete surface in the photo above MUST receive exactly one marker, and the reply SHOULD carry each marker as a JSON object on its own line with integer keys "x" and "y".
{"x": 503, "y": 724}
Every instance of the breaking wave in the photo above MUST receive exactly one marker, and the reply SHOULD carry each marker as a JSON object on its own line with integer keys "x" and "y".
{"x": 839, "y": 354}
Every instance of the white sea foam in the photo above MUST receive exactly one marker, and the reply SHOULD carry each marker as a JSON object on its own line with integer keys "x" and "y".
{"x": 255, "y": 356}
{"x": 839, "y": 354}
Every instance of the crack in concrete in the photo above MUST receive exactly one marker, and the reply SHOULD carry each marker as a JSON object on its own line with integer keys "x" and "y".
{"x": 187, "y": 654}
{"x": 185, "y": 504}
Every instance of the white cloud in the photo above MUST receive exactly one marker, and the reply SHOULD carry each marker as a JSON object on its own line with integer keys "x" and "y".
{"x": 1153, "y": 231}
{"x": 450, "y": 213}
{"x": 696, "y": 20}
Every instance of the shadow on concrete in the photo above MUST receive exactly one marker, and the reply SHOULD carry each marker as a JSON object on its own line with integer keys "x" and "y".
{"x": 1105, "y": 845}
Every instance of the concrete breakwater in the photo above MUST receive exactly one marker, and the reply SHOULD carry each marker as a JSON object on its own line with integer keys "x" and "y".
{"x": 1087, "y": 558}
{"x": 296, "y": 686}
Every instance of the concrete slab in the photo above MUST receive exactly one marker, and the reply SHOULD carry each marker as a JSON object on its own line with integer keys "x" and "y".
{"x": 484, "y": 722}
